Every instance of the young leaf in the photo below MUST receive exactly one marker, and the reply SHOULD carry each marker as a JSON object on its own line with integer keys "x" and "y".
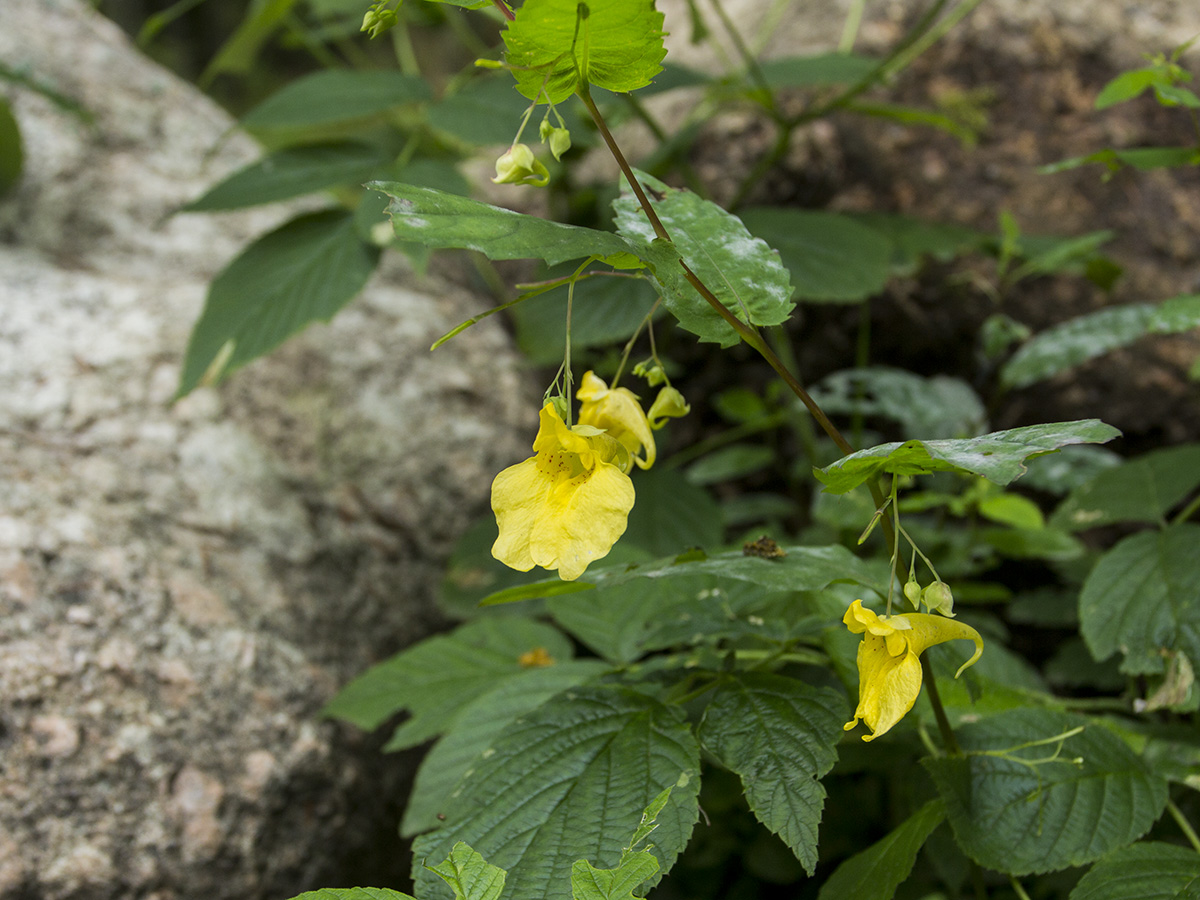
{"x": 875, "y": 873}
{"x": 998, "y": 456}
{"x": 1141, "y": 599}
{"x": 590, "y": 883}
{"x": 742, "y": 271}
{"x": 821, "y": 69}
{"x": 831, "y": 257}
{"x": 557, "y": 46}
{"x": 438, "y": 677}
{"x": 1020, "y": 803}
{"x": 290, "y": 173}
{"x": 477, "y": 726}
{"x": 304, "y": 271}
{"x": 570, "y": 780}
{"x": 780, "y": 736}
{"x": 439, "y": 220}
{"x": 1064, "y": 346}
{"x": 1140, "y": 490}
{"x": 469, "y": 875}
{"x": 1148, "y": 871}
{"x": 355, "y": 893}
{"x": 335, "y": 95}
{"x": 1128, "y": 85}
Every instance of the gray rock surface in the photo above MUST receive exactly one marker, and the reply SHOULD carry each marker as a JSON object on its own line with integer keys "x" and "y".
{"x": 182, "y": 587}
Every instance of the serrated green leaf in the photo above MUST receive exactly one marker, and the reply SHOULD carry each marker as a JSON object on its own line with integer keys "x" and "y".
{"x": 800, "y": 569}
{"x": 1147, "y": 871}
{"x": 875, "y": 873}
{"x": 12, "y": 156}
{"x": 1141, "y": 599}
{"x": 1128, "y": 85}
{"x": 1144, "y": 489}
{"x": 354, "y": 893}
{"x": 570, "y": 780}
{"x": 998, "y": 457}
{"x": 290, "y": 173}
{"x": 1015, "y": 815}
{"x": 556, "y": 46}
{"x": 1064, "y": 346}
{"x": 335, "y": 95}
{"x": 831, "y": 257}
{"x": 780, "y": 736}
{"x": 436, "y": 678}
{"x": 741, "y": 270}
{"x": 819, "y": 69}
{"x": 935, "y": 407}
{"x": 469, "y": 875}
{"x": 590, "y": 883}
{"x": 480, "y": 722}
{"x": 303, "y": 272}
{"x": 439, "y": 220}
{"x": 486, "y": 111}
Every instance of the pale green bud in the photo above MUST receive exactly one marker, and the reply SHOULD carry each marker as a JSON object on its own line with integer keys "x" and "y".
{"x": 939, "y": 599}
{"x": 668, "y": 404}
{"x": 377, "y": 21}
{"x": 912, "y": 590}
{"x": 520, "y": 166}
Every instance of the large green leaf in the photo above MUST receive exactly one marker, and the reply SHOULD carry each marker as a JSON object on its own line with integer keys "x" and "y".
{"x": 1064, "y": 346}
{"x": 619, "y": 883}
{"x": 742, "y": 271}
{"x": 1017, "y": 806}
{"x": 335, "y": 95}
{"x": 780, "y": 736}
{"x": 1140, "y": 490}
{"x": 304, "y": 271}
{"x": 290, "y": 173}
{"x": 831, "y": 257}
{"x": 568, "y": 781}
{"x": 934, "y": 407}
{"x": 557, "y": 46}
{"x": 1147, "y": 871}
{"x": 438, "y": 677}
{"x": 469, "y": 875}
{"x": 439, "y": 220}
{"x": 799, "y": 569}
{"x": 479, "y": 723}
{"x": 914, "y": 239}
{"x": 998, "y": 456}
{"x": 486, "y": 111}
{"x": 875, "y": 873}
{"x": 1142, "y": 599}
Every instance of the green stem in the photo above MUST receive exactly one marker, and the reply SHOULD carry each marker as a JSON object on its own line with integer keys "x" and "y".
{"x": 1187, "y": 512}
{"x": 949, "y": 741}
{"x": 752, "y": 67}
{"x": 504, "y": 10}
{"x": 1184, "y": 825}
{"x": 850, "y": 28}
{"x": 1016, "y": 886}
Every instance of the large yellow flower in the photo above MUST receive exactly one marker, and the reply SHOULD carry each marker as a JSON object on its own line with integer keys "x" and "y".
{"x": 566, "y": 506}
{"x": 618, "y": 412}
{"x": 889, "y": 668}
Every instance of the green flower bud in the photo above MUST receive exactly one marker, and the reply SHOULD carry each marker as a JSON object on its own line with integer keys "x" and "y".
{"x": 939, "y": 599}
{"x": 558, "y": 138}
{"x": 377, "y": 21}
{"x": 668, "y": 404}
{"x": 912, "y": 590}
{"x": 519, "y": 166}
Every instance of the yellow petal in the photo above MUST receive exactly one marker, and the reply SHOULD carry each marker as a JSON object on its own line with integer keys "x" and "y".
{"x": 928, "y": 630}
{"x": 581, "y": 520}
{"x": 519, "y": 496}
{"x": 888, "y": 686}
{"x": 618, "y": 412}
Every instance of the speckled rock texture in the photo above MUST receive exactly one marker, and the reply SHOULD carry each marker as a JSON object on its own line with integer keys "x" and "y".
{"x": 183, "y": 586}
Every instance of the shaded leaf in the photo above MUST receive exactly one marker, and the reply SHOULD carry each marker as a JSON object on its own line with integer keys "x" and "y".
{"x": 302, "y": 272}
{"x": 934, "y": 407}
{"x": 571, "y": 780}
{"x": 998, "y": 456}
{"x": 1141, "y": 598}
{"x": 914, "y": 239}
{"x": 12, "y": 155}
{"x": 1064, "y": 346}
{"x": 1144, "y": 489}
{"x": 831, "y": 257}
{"x": 780, "y": 736}
{"x": 875, "y": 873}
{"x": 355, "y": 893}
{"x": 1016, "y": 809}
{"x": 335, "y": 95}
{"x": 486, "y": 111}
{"x": 1148, "y": 871}
{"x": 820, "y": 69}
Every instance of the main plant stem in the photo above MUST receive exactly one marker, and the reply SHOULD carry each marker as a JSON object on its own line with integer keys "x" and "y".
{"x": 750, "y": 335}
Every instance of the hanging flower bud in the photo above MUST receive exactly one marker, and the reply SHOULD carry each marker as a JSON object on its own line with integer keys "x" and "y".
{"x": 654, "y": 375}
{"x": 669, "y": 404}
{"x": 912, "y": 590}
{"x": 938, "y": 598}
{"x": 377, "y": 21}
{"x": 520, "y": 166}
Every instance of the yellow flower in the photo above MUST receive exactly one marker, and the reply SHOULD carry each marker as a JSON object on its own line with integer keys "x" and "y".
{"x": 889, "y": 668}
{"x": 520, "y": 166}
{"x": 617, "y": 412}
{"x": 566, "y": 506}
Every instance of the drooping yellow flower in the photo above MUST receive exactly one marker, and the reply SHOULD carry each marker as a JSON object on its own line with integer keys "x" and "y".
{"x": 889, "y": 667}
{"x": 564, "y": 507}
{"x": 617, "y": 412}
